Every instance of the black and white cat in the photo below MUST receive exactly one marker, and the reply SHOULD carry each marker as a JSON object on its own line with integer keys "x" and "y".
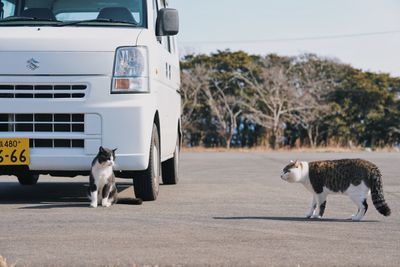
{"x": 353, "y": 177}
{"x": 102, "y": 188}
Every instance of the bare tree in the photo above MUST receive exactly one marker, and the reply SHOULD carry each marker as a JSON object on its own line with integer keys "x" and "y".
{"x": 200, "y": 87}
{"x": 270, "y": 98}
{"x": 314, "y": 83}
{"x": 311, "y": 118}
{"x": 224, "y": 106}
{"x": 193, "y": 82}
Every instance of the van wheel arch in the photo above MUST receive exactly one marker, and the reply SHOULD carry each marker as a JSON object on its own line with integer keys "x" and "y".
{"x": 156, "y": 121}
{"x": 170, "y": 167}
{"x": 146, "y": 183}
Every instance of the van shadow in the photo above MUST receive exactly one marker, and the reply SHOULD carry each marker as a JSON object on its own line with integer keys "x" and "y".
{"x": 290, "y": 219}
{"x": 47, "y": 195}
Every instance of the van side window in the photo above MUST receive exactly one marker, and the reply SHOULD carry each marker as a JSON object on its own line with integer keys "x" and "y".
{"x": 156, "y": 4}
{"x": 172, "y": 44}
{"x": 155, "y": 11}
{"x": 8, "y": 9}
{"x": 166, "y": 42}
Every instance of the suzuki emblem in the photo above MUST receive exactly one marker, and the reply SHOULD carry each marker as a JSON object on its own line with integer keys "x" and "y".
{"x": 32, "y": 64}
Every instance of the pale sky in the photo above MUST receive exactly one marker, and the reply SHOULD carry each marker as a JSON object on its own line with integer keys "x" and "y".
{"x": 363, "y": 33}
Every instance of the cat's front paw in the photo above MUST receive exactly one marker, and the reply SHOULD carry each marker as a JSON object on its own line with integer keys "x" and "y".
{"x": 105, "y": 203}
{"x": 316, "y": 216}
{"x": 93, "y": 205}
{"x": 311, "y": 214}
{"x": 355, "y": 218}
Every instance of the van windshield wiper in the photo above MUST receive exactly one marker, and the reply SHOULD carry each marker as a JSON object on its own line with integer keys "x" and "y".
{"x": 95, "y": 20}
{"x": 18, "y": 18}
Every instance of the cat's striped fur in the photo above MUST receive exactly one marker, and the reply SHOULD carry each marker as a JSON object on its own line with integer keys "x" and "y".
{"x": 354, "y": 177}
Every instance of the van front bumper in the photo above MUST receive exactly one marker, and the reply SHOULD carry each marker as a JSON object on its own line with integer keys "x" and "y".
{"x": 122, "y": 121}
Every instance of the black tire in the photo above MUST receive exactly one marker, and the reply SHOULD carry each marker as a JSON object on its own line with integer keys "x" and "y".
{"x": 170, "y": 168}
{"x": 28, "y": 178}
{"x": 146, "y": 183}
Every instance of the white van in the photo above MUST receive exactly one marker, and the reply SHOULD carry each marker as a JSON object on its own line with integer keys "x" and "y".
{"x": 79, "y": 74}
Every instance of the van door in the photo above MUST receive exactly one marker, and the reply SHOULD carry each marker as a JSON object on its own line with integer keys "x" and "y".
{"x": 169, "y": 97}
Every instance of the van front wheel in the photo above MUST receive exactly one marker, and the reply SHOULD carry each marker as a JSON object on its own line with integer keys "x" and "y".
{"x": 146, "y": 183}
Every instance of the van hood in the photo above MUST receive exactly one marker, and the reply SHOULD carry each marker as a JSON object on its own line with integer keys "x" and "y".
{"x": 62, "y": 51}
{"x": 66, "y": 39}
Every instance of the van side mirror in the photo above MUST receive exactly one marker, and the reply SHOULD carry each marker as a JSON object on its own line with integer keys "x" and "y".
{"x": 167, "y": 22}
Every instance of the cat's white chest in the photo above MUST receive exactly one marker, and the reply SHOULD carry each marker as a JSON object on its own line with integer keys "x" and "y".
{"x": 101, "y": 175}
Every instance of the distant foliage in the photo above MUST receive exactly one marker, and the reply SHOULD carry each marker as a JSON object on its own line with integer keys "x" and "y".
{"x": 233, "y": 99}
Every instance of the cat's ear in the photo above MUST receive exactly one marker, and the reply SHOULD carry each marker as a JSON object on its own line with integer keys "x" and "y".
{"x": 114, "y": 150}
{"x": 101, "y": 149}
{"x": 296, "y": 163}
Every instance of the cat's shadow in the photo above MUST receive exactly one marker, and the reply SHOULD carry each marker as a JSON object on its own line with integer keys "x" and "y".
{"x": 48, "y": 195}
{"x": 289, "y": 219}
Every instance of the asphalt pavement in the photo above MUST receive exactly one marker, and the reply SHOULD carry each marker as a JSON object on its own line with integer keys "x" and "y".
{"x": 229, "y": 209}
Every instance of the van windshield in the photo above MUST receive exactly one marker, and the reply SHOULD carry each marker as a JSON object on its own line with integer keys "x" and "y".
{"x": 121, "y": 13}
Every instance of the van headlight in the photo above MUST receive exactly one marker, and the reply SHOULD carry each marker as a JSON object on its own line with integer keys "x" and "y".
{"x": 131, "y": 70}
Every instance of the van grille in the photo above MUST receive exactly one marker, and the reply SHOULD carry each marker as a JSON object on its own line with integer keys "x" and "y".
{"x": 57, "y": 143}
{"x": 74, "y": 123}
{"x": 46, "y": 123}
{"x": 42, "y": 91}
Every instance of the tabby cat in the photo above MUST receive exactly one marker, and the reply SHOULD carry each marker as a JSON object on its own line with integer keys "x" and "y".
{"x": 102, "y": 185}
{"x": 353, "y": 177}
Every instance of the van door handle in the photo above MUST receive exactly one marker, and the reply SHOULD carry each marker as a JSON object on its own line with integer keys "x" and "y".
{"x": 168, "y": 70}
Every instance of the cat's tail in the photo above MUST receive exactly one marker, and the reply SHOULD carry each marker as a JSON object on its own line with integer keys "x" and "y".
{"x": 131, "y": 201}
{"x": 377, "y": 193}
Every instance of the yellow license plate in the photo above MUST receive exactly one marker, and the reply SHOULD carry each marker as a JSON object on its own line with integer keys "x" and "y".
{"x": 14, "y": 151}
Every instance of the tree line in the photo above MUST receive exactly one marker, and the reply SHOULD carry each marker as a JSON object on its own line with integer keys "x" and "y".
{"x": 234, "y": 99}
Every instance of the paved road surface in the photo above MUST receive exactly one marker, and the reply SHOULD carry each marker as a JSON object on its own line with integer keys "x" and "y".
{"x": 230, "y": 209}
